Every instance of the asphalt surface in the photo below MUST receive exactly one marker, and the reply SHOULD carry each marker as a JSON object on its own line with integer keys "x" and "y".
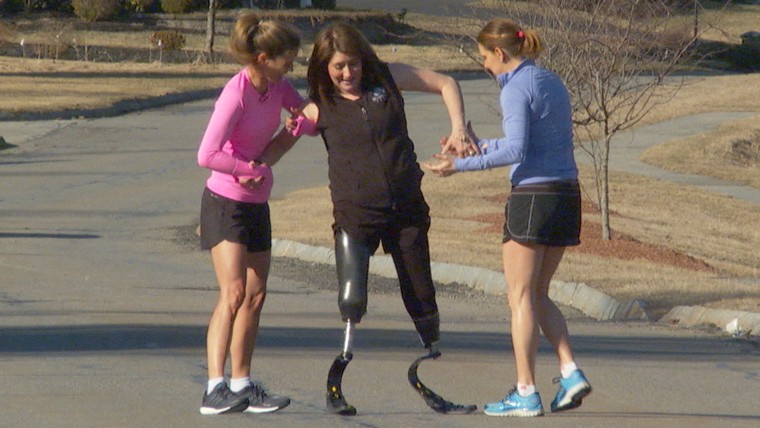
{"x": 104, "y": 306}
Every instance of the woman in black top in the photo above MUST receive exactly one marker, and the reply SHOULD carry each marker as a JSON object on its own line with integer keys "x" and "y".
{"x": 375, "y": 179}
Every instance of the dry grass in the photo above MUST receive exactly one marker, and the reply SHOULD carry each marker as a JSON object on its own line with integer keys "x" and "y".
{"x": 732, "y": 152}
{"x": 732, "y": 92}
{"x": 727, "y": 25}
{"x": 30, "y": 85}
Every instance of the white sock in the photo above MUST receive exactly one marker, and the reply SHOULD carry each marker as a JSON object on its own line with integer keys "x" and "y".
{"x": 239, "y": 384}
{"x": 212, "y": 383}
{"x": 568, "y": 369}
{"x": 525, "y": 390}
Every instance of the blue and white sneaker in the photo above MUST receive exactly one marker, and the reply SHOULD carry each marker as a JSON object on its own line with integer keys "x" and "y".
{"x": 515, "y": 405}
{"x": 571, "y": 391}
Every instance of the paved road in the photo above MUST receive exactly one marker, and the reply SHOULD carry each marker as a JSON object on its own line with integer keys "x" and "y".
{"x": 103, "y": 307}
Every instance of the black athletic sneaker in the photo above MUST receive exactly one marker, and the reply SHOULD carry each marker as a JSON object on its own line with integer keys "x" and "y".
{"x": 222, "y": 400}
{"x": 261, "y": 402}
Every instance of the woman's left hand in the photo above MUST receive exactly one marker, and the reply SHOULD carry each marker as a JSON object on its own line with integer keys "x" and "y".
{"x": 291, "y": 123}
{"x": 444, "y": 168}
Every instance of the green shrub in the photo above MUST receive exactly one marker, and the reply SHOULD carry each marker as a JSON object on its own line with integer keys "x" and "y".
{"x": 171, "y": 40}
{"x": 175, "y": 7}
{"x": 95, "y": 10}
{"x": 746, "y": 56}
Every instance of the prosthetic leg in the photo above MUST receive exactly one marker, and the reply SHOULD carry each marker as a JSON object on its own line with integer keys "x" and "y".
{"x": 352, "y": 261}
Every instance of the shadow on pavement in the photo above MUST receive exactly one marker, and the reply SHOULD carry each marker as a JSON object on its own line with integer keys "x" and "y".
{"x": 120, "y": 337}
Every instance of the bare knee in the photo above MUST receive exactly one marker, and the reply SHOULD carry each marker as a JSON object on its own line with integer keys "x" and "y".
{"x": 520, "y": 297}
{"x": 232, "y": 298}
{"x": 255, "y": 301}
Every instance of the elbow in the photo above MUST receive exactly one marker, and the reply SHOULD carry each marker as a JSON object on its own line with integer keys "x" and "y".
{"x": 451, "y": 85}
{"x": 203, "y": 160}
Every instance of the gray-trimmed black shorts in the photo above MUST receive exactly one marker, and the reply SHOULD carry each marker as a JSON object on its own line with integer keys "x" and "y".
{"x": 545, "y": 214}
{"x": 240, "y": 222}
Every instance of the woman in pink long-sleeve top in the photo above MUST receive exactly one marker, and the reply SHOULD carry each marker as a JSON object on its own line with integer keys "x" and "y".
{"x": 235, "y": 222}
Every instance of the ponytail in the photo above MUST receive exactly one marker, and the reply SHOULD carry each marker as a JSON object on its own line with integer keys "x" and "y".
{"x": 509, "y": 36}
{"x": 252, "y": 36}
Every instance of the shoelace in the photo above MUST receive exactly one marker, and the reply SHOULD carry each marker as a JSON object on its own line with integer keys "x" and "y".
{"x": 259, "y": 392}
{"x": 509, "y": 394}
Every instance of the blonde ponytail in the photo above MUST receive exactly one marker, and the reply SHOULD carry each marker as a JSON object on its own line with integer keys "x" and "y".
{"x": 508, "y": 35}
{"x": 531, "y": 46}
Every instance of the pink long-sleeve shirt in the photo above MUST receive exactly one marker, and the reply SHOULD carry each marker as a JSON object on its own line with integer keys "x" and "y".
{"x": 240, "y": 129}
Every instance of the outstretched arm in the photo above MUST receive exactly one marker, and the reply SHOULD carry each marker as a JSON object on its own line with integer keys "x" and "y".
{"x": 409, "y": 78}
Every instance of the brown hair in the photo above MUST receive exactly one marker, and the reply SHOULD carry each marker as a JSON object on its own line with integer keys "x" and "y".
{"x": 344, "y": 38}
{"x": 507, "y": 35}
{"x": 251, "y": 37}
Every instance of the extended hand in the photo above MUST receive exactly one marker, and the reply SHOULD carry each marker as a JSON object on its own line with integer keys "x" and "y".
{"x": 444, "y": 168}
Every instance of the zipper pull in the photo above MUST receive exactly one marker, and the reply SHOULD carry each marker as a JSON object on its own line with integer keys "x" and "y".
{"x": 364, "y": 113}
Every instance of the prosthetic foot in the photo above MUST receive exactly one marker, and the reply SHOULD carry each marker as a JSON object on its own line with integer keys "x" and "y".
{"x": 336, "y": 402}
{"x": 433, "y": 400}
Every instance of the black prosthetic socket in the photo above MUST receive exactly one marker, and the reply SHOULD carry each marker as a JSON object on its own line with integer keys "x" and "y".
{"x": 352, "y": 262}
{"x": 429, "y": 329}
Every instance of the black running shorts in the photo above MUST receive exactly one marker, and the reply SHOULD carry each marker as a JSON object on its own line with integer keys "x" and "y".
{"x": 224, "y": 219}
{"x": 544, "y": 214}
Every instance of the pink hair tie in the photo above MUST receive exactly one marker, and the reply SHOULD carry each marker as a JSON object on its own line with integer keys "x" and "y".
{"x": 520, "y": 34}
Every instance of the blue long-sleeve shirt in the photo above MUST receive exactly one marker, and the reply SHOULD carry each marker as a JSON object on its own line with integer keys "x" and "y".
{"x": 538, "y": 129}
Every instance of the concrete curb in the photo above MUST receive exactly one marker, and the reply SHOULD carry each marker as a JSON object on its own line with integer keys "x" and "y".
{"x": 591, "y": 302}
{"x": 748, "y": 323}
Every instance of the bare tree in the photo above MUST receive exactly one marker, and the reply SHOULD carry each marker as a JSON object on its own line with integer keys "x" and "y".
{"x": 617, "y": 59}
{"x": 208, "y": 52}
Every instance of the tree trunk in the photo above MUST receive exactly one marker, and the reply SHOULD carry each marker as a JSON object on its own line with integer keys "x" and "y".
{"x": 210, "y": 30}
{"x": 604, "y": 202}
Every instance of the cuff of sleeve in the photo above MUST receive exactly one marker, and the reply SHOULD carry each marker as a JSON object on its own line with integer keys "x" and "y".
{"x": 304, "y": 126}
{"x": 485, "y": 143}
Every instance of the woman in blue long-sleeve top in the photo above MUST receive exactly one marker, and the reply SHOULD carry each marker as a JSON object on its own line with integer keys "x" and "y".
{"x": 543, "y": 213}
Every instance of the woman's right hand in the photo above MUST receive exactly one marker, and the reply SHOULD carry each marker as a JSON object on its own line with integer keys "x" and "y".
{"x": 251, "y": 183}
{"x": 444, "y": 168}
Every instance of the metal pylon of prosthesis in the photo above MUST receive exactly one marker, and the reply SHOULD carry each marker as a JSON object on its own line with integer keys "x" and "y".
{"x": 336, "y": 402}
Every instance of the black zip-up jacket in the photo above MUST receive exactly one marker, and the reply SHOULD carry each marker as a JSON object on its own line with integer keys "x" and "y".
{"x": 373, "y": 169}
